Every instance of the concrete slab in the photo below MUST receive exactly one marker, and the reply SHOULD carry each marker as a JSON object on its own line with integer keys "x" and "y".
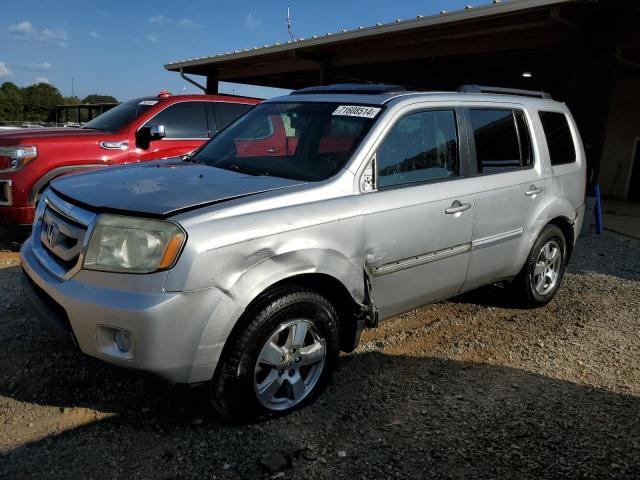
{"x": 621, "y": 217}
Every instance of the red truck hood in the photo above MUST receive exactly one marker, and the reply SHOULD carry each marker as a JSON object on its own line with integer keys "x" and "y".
{"x": 35, "y": 134}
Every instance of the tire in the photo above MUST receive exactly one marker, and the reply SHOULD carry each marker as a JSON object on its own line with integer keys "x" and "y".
{"x": 265, "y": 370}
{"x": 540, "y": 278}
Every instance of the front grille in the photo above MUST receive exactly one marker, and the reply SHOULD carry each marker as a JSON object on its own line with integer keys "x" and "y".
{"x": 59, "y": 234}
{"x": 62, "y": 237}
{"x": 5, "y": 192}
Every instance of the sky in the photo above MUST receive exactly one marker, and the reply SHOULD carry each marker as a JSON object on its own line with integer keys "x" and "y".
{"x": 120, "y": 47}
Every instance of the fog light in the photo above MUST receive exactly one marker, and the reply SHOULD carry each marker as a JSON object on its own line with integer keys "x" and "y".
{"x": 122, "y": 339}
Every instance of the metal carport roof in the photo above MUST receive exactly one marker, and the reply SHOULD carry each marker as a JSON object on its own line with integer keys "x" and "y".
{"x": 261, "y": 65}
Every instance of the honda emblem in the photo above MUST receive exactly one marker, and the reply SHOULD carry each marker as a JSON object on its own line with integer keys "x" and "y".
{"x": 52, "y": 233}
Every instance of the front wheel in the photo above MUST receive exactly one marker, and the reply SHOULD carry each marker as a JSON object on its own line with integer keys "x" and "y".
{"x": 544, "y": 269}
{"x": 281, "y": 360}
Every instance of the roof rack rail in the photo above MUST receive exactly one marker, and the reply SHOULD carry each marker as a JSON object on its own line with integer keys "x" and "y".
{"x": 503, "y": 91}
{"x": 352, "y": 88}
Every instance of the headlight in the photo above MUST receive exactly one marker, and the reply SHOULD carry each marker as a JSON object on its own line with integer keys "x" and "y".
{"x": 14, "y": 158}
{"x": 133, "y": 245}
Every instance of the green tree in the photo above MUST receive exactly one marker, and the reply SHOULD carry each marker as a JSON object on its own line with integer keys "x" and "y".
{"x": 40, "y": 101}
{"x": 95, "y": 98}
{"x": 11, "y": 103}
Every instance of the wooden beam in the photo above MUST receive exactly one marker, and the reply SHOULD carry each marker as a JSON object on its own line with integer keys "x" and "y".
{"x": 450, "y": 47}
{"x": 376, "y": 51}
{"x": 277, "y": 65}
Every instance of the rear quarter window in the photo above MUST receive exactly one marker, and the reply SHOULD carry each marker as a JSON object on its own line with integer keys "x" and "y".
{"x": 562, "y": 150}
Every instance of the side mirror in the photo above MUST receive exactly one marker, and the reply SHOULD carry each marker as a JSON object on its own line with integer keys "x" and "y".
{"x": 146, "y": 134}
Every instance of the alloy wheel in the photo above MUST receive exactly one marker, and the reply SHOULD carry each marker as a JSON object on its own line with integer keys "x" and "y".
{"x": 289, "y": 365}
{"x": 546, "y": 272}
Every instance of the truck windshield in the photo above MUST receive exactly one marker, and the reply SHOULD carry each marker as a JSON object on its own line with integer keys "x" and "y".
{"x": 119, "y": 117}
{"x": 300, "y": 141}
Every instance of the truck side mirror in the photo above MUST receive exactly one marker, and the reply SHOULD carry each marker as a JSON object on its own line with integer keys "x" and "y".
{"x": 146, "y": 134}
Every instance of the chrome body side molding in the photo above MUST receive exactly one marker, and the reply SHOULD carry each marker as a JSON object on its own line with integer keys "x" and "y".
{"x": 393, "y": 267}
{"x": 494, "y": 239}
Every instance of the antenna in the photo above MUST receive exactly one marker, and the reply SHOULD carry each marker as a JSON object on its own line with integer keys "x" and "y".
{"x": 289, "y": 24}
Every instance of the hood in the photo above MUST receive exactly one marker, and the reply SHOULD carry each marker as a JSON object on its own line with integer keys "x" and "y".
{"x": 163, "y": 188}
{"x": 33, "y": 134}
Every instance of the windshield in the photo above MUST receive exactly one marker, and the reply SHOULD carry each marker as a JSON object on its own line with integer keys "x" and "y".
{"x": 119, "y": 117}
{"x": 300, "y": 141}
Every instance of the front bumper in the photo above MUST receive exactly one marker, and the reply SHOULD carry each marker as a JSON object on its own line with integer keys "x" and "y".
{"x": 17, "y": 216}
{"x": 14, "y": 208}
{"x": 167, "y": 327}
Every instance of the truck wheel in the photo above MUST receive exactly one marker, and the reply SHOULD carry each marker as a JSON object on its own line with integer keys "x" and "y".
{"x": 544, "y": 269}
{"x": 281, "y": 360}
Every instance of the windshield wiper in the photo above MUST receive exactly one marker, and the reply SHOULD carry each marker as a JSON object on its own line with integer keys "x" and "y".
{"x": 187, "y": 157}
{"x": 242, "y": 169}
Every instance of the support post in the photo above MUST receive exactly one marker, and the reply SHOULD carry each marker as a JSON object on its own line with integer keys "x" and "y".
{"x": 592, "y": 81}
{"x": 597, "y": 210}
{"x": 325, "y": 75}
{"x": 212, "y": 85}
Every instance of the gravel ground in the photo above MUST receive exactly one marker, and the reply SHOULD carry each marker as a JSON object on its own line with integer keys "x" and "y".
{"x": 468, "y": 388}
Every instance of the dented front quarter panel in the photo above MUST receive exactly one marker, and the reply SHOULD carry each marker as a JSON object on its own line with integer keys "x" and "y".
{"x": 242, "y": 248}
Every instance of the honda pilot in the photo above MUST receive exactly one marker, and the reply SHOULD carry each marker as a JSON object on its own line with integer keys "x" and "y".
{"x": 250, "y": 264}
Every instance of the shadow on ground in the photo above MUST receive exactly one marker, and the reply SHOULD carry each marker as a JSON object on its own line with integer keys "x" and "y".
{"x": 392, "y": 416}
{"x": 609, "y": 254}
{"x": 11, "y": 241}
{"x": 401, "y": 416}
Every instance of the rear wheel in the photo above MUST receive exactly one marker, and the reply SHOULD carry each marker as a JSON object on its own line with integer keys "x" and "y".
{"x": 282, "y": 359}
{"x": 544, "y": 269}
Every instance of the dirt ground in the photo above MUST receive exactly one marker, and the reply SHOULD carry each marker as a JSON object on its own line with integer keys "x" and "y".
{"x": 468, "y": 388}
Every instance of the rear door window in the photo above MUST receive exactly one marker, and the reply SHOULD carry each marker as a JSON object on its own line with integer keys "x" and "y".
{"x": 502, "y": 140}
{"x": 562, "y": 150}
{"x": 227, "y": 113}
{"x": 183, "y": 120}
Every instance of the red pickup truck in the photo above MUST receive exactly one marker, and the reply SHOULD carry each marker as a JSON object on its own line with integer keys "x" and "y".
{"x": 135, "y": 131}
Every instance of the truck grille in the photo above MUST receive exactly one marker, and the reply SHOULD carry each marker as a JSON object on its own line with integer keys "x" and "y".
{"x": 5, "y": 192}
{"x": 59, "y": 234}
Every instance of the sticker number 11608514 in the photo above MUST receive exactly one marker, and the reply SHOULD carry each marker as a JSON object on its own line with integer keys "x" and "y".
{"x": 356, "y": 111}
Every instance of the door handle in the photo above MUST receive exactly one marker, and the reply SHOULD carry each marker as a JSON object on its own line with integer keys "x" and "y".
{"x": 457, "y": 207}
{"x": 533, "y": 191}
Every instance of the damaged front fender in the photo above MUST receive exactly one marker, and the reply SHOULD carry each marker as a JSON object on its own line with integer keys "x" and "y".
{"x": 243, "y": 270}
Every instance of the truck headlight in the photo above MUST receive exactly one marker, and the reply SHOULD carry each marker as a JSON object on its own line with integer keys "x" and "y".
{"x": 133, "y": 245}
{"x": 14, "y": 158}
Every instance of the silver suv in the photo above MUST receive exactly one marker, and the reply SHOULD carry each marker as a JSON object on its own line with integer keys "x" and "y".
{"x": 253, "y": 262}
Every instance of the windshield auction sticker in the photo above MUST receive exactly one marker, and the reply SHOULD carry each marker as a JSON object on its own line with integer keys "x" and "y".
{"x": 356, "y": 111}
{"x": 148, "y": 102}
